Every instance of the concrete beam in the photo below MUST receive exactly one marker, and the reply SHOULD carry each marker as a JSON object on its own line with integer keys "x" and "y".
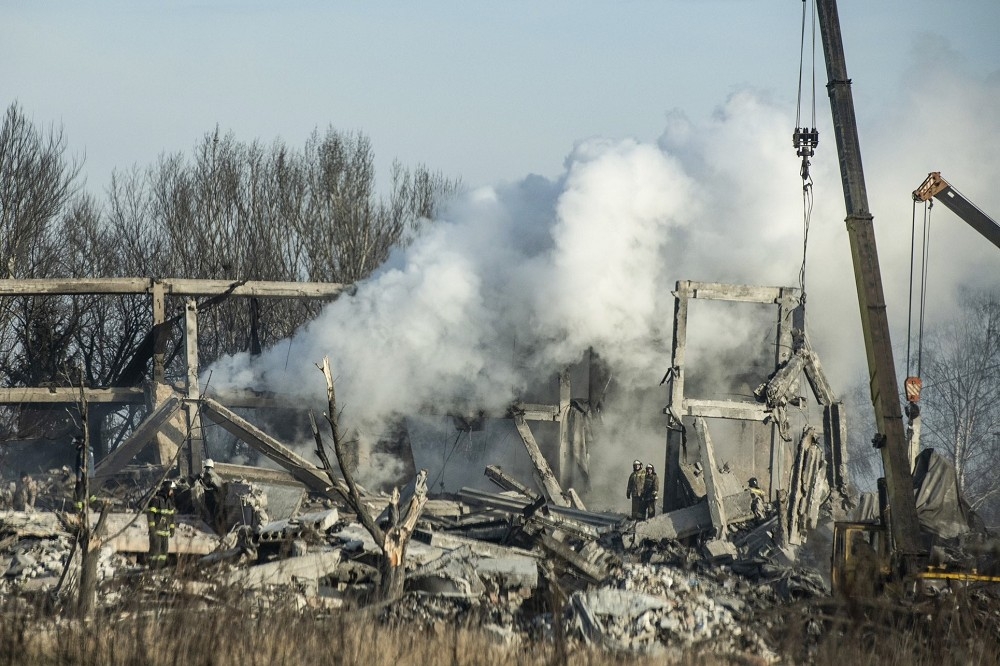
{"x": 303, "y": 470}
{"x": 712, "y": 494}
{"x": 70, "y": 395}
{"x": 691, "y": 520}
{"x": 292, "y": 528}
{"x": 725, "y": 409}
{"x": 550, "y": 486}
{"x": 171, "y": 286}
{"x": 565, "y": 457}
{"x": 734, "y": 292}
{"x": 309, "y": 567}
{"x": 506, "y": 482}
{"x": 147, "y": 431}
{"x": 131, "y": 535}
{"x": 482, "y": 548}
{"x": 230, "y": 472}
{"x": 533, "y": 412}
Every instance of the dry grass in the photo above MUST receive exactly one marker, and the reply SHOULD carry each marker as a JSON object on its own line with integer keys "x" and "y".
{"x": 237, "y": 632}
{"x": 954, "y": 629}
{"x": 160, "y": 627}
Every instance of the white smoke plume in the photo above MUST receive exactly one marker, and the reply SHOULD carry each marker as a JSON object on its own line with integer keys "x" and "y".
{"x": 518, "y": 280}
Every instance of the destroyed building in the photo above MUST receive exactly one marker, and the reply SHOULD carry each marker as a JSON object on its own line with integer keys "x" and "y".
{"x": 292, "y": 525}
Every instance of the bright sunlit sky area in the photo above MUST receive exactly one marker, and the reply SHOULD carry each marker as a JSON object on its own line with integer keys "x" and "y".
{"x": 487, "y": 92}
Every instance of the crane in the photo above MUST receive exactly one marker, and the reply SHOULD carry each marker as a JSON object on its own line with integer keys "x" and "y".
{"x": 936, "y": 187}
{"x": 900, "y": 512}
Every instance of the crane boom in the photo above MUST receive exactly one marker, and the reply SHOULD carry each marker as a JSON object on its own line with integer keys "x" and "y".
{"x": 891, "y": 438}
{"x": 934, "y": 186}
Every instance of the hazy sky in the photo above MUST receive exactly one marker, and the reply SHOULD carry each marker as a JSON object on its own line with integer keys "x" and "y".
{"x": 661, "y": 132}
{"x": 485, "y": 91}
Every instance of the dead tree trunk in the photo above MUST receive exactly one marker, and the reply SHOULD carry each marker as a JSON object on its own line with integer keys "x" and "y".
{"x": 88, "y": 537}
{"x": 90, "y": 550}
{"x": 400, "y": 524}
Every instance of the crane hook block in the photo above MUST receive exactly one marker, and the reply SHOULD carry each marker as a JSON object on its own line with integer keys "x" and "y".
{"x": 913, "y": 386}
{"x": 805, "y": 141}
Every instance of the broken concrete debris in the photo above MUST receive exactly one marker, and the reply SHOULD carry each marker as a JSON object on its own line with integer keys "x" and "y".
{"x": 479, "y": 553}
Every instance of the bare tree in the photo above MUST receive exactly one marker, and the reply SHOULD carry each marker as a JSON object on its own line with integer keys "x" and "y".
{"x": 36, "y": 181}
{"x": 400, "y": 523}
{"x": 349, "y": 231}
{"x": 961, "y": 397}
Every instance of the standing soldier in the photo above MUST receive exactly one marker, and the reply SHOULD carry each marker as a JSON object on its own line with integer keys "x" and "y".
{"x": 650, "y": 491}
{"x": 161, "y": 524}
{"x": 636, "y": 484}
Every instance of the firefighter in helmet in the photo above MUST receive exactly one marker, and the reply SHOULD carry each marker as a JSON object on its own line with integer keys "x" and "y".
{"x": 650, "y": 491}
{"x": 161, "y": 512}
{"x": 636, "y": 484}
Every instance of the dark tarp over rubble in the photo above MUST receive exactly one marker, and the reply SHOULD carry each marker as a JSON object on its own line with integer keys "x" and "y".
{"x": 940, "y": 508}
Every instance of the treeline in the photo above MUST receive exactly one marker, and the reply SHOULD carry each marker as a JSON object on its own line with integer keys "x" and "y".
{"x": 230, "y": 210}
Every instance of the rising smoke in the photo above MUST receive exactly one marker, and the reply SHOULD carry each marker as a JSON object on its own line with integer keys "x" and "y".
{"x": 518, "y": 280}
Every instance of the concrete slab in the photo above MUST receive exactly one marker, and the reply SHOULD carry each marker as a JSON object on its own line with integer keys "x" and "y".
{"x": 308, "y": 568}
{"x": 290, "y": 528}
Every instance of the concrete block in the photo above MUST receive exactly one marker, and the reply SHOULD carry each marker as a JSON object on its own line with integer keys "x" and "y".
{"x": 509, "y": 573}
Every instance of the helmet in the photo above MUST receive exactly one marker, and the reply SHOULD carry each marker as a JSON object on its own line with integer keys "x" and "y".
{"x": 754, "y": 483}
{"x": 209, "y": 463}
{"x": 649, "y": 467}
{"x": 168, "y": 485}
{"x": 636, "y": 463}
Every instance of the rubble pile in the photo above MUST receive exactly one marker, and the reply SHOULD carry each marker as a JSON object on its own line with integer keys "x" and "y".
{"x": 493, "y": 561}
{"x": 650, "y": 608}
{"x": 33, "y": 563}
